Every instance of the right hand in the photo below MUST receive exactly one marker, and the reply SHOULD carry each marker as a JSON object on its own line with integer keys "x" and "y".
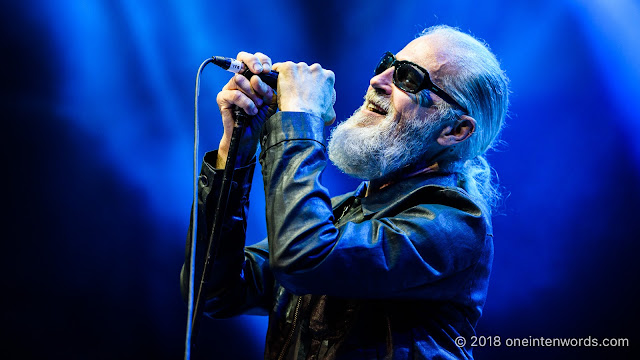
{"x": 306, "y": 89}
{"x": 255, "y": 97}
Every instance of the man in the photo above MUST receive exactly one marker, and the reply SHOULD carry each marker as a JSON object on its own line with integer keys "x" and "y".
{"x": 397, "y": 269}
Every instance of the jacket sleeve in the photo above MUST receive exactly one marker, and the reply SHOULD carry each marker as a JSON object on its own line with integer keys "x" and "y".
{"x": 240, "y": 278}
{"x": 402, "y": 256}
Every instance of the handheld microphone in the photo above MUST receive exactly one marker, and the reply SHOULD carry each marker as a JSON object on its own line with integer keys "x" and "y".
{"x": 238, "y": 67}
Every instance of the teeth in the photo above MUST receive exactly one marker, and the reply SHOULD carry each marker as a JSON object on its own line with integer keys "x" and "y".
{"x": 376, "y": 109}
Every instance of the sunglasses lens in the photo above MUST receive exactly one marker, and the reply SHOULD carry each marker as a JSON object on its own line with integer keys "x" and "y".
{"x": 408, "y": 78}
{"x": 384, "y": 63}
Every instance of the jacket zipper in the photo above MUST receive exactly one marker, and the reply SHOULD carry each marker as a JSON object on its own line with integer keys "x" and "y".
{"x": 344, "y": 211}
{"x": 293, "y": 329}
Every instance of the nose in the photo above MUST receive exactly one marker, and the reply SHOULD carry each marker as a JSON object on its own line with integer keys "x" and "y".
{"x": 383, "y": 82}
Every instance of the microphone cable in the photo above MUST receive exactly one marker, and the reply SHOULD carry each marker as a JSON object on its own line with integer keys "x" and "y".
{"x": 194, "y": 214}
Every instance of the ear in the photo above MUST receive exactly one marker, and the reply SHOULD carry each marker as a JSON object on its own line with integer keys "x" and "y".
{"x": 459, "y": 132}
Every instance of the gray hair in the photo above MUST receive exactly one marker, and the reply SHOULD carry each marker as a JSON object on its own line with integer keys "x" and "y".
{"x": 473, "y": 77}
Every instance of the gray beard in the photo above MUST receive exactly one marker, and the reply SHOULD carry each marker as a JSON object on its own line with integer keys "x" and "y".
{"x": 379, "y": 151}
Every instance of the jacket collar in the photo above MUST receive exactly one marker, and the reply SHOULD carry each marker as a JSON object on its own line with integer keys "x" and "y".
{"x": 402, "y": 189}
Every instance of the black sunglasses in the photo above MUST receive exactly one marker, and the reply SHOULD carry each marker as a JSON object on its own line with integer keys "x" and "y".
{"x": 412, "y": 78}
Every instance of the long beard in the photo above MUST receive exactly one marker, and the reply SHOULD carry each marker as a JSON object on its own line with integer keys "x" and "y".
{"x": 379, "y": 151}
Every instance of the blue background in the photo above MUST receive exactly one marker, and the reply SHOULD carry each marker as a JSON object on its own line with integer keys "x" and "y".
{"x": 97, "y": 107}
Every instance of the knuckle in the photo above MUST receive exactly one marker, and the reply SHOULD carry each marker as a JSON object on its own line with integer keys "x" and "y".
{"x": 245, "y": 84}
{"x": 263, "y": 58}
{"x": 287, "y": 66}
{"x": 233, "y": 82}
{"x": 237, "y": 96}
{"x": 264, "y": 87}
{"x": 240, "y": 80}
{"x": 331, "y": 76}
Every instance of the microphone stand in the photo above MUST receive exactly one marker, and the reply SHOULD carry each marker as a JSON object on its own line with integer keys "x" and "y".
{"x": 240, "y": 118}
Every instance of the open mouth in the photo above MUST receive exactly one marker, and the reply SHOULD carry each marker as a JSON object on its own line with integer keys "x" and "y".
{"x": 376, "y": 109}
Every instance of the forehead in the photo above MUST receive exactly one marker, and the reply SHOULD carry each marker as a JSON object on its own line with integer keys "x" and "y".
{"x": 426, "y": 51}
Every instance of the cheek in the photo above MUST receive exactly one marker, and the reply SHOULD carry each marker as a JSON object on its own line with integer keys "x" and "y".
{"x": 403, "y": 105}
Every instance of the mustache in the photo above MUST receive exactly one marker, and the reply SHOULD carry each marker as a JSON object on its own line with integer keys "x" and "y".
{"x": 383, "y": 102}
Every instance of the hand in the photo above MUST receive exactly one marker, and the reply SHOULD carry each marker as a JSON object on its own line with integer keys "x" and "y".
{"x": 307, "y": 89}
{"x": 255, "y": 98}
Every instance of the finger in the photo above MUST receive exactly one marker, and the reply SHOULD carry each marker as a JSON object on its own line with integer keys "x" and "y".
{"x": 252, "y": 61}
{"x": 331, "y": 76}
{"x": 227, "y": 98}
{"x": 315, "y": 67}
{"x": 281, "y": 67}
{"x": 330, "y": 117}
{"x": 232, "y": 84}
{"x": 301, "y": 66}
{"x": 265, "y": 61}
{"x": 239, "y": 82}
{"x": 262, "y": 89}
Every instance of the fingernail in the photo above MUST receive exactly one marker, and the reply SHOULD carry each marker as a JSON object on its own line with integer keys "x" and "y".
{"x": 254, "y": 111}
{"x": 257, "y": 67}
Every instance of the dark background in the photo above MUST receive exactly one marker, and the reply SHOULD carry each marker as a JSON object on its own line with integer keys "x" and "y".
{"x": 97, "y": 108}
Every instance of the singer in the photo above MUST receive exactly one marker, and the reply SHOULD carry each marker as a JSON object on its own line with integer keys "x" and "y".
{"x": 398, "y": 268}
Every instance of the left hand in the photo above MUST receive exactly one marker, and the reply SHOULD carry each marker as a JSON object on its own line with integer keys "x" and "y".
{"x": 307, "y": 89}
{"x": 255, "y": 98}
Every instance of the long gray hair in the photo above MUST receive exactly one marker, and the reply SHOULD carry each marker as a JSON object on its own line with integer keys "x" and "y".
{"x": 476, "y": 81}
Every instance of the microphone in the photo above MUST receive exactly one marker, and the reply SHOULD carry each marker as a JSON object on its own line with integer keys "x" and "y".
{"x": 238, "y": 67}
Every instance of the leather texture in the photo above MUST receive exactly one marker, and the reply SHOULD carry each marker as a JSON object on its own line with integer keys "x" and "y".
{"x": 398, "y": 274}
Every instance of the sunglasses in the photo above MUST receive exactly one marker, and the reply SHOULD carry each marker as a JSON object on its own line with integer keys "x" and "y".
{"x": 412, "y": 78}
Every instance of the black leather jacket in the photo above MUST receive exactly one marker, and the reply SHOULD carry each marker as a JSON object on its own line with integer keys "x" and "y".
{"x": 399, "y": 274}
